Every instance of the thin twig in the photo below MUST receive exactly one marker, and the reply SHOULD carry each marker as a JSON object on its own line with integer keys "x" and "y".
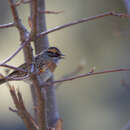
{"x": 13, "y": 110}
{"x": 86, "y": 75}
{"x": 22, "y": 2}
{"x": 22, "y": 30}
{"x": 77, "y": 70}
{"x": 83, "y": 20}
{"x": 16, "y": 52}
{"x": 28, "y": 116}
{"x": 14, "y": 12}
{"x": 12, "y": 67}
{"x": 19, "y": 2}
{"x": 61, "y": 27}
{"x": 24, "y": 34}
{"x": 7, "y": 25}
{"x": 17, "y": 78}
{"x": 21, "y": 110}
{"x": 50, "y": 12}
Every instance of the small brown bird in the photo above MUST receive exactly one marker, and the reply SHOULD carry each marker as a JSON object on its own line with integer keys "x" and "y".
{"x": 45, "y": 62}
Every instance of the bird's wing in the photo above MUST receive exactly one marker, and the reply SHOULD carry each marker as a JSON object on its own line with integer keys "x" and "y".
{"x": 17, "y": 73}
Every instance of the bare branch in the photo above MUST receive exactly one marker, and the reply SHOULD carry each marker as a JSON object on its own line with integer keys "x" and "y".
{"x": 50, "y": 12}
{"x": 7, "y": 25}
{"x": 61, "y": 27}
{"x": 13, "y": 110}
{"x": 82, "y": 21}
{"x": 86, "y": 75}
{"x": 29, "y": 56}
{"x": 40, "y": 104}
{"x": 12, "y": 67}
{"x": 25, "y": 38}
{"x": 22, "y": 2}
{"x": 77, "y": 70}
{"x": 21, "y": 110}
{"x": 16, "y": 52}
{"x": 17, "y": 20}
{"x": 34, "y": 18}
{"x": 19, "y": 2}
{"x": 24, "y": 35}
{"x": 36, "y": 22}
{"x": 14, "y": 12}
{"x": 17, "y": 78}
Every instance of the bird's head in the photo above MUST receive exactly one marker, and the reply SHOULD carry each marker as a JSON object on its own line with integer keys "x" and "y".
{"x": 54, "y": 54}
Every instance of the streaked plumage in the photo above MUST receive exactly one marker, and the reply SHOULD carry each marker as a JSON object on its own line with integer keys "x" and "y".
{"x": 45, "y": 62}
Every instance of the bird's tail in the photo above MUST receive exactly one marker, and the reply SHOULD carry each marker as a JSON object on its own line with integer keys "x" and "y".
{"x": 3, "y": 80}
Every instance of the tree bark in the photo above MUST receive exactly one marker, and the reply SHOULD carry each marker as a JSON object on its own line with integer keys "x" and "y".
{"x": 49, "y": 93}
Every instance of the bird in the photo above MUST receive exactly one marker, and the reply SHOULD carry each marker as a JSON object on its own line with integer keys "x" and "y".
{"x": 45, "y": 62}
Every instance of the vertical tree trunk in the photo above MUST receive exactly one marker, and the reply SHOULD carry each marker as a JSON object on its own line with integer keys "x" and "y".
{"x": 41, "y": 44}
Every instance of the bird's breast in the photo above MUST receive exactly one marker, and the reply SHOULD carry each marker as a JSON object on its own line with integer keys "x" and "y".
{"x": 51, "y": 66}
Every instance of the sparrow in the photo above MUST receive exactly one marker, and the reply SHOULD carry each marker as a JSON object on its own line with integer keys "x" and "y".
{"x": 45, "y": 62}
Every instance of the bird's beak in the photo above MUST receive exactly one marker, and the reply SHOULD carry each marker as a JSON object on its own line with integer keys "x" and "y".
{"x": 62, "y": 56}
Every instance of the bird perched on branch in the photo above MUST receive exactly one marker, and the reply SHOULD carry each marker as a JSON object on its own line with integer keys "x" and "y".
{"x": 45, "y": 63}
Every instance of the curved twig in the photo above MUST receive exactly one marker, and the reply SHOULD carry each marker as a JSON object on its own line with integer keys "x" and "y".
{"x": 16, "y": 52}
{"x": 7, "y": 25}
{"x": 83, "y": 20}
{"x": 12, "y": 67}
{"x": 62, "y": 27}
{"x": 87, "y": 75}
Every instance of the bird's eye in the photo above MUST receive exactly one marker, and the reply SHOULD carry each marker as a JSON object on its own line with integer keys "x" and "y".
{"x": 57, "y": 54}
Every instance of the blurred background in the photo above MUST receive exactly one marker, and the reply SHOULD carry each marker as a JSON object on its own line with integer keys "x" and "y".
{"x": 96, "y": 103}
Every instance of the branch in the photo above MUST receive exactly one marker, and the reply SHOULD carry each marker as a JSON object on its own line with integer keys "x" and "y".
{"x": 21, "y": 110}
{"x": 82, "y": 21}
{"x": 34, "y": 18}
{"x": 62, "y": 27}
{"x": 40, "y": 104}
{"x": 41, "y": 116}
{"x": 50, "y": 12}
{"x": 16, "y": 52}
{"x": 17, "y": 20}
{"x": 86, "y": 75}
{"x": 77, "y": 70}
{"x": 24, "y": 34}
{"x": 13, "y": 110}
{"x": 17, "y": 78}
{"x": 12, "y": 67}
{"x": 22, "y": 2}
{"x": 7, "y": 25}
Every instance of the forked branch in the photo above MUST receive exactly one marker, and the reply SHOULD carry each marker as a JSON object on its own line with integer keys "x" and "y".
{"x": 21, "y": 110}
{"x": 27, "y": 41}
